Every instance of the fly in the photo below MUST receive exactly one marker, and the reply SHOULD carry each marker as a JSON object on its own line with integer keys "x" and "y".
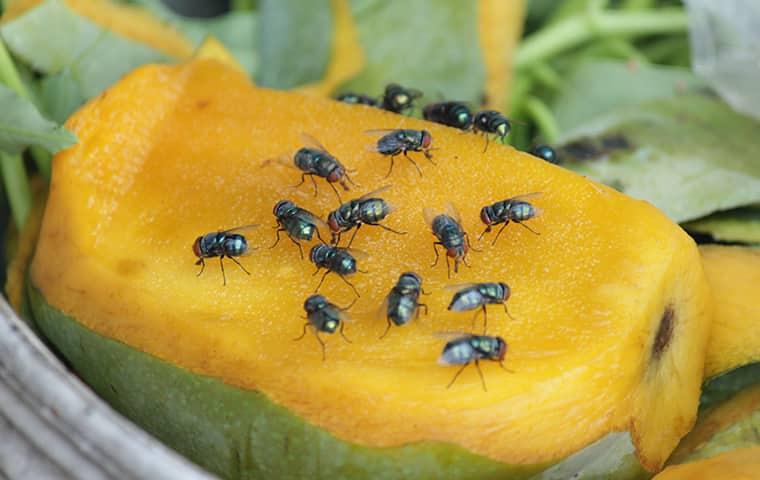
{"x": 226, "y": 243}
{"x": 368, "y": 209}
{"x": 323, "y": 316}
{"x": 514, "y": 209}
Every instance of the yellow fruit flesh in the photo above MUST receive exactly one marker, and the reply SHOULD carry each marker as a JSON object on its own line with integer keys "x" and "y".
{"x": 734, "y": 277}
{"x": 741, "y": 464}
{"x": 499, "y": 27}
{"x": 589, "y": 292}
{"x": 128, "y": 21}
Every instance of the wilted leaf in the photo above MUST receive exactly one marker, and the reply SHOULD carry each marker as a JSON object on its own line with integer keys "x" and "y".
{"x": 430, "y": 45}
{"x": 689, "y": 155}
{"x": 22, "y": 125}
{"x": 294, "y": 42}
{"x": 739, "y": 225}
{"x": 597, "y": 88}
{"x": 51, "y": 38}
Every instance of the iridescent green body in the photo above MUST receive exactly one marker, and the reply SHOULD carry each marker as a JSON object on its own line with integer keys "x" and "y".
{"x": 452, "y": 114}
{"x": 477, "y": 296}
{"x": 547, "y": 153}
{"x": 323, "y": 316}
{"x": 396, "y": 98}
{"x": 402, "y": 303}
{"x": 473, "y": 348}
{"x": 297, "y": 222}
{"x": 514, "y": 209}
{"x": 334, "y": 259}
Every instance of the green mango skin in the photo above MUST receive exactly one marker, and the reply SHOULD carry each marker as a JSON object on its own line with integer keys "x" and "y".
{"x": 241, "y": 434}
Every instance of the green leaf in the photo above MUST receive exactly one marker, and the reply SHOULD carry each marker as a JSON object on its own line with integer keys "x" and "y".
{"x": 689, "y": 155}
{"x": 61, "y": 95}
{"x": 237, "y": 30}
{"x": 739, "y": 225}
{"x": 719, "y": 388}
{"x": 22, "y": 125}
{"x": 430, "y": 45}
{"x": 51, "y": 38}
{"x": 596, "y": 88}
{"x": 294, "y": 42}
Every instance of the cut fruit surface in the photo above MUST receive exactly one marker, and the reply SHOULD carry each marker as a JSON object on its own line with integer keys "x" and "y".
{"x": 741, "y": 464}
{"x": 734, "y": 277}
{"x": 610, "y": 304}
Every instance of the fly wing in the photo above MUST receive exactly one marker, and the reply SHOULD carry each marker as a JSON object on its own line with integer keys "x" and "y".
{"x": 452, "y": 211}
{"x": 457, "y": 287}
{"x": 523, "y": 197}
{"x": 242, "y": 229}
{"x": 374, "y": 193}
{"x": 312, "y": 142}
{"x": 282, "y": 161}
{"x": 310, "y": 217}
{"x": 429, "y": 214}
{"x": 357, "y": 254}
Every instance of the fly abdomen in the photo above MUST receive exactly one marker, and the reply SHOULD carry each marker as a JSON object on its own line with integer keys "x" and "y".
{"x": 457, "y": 352}
{"x": 401, "y": 309}
{"x": 468, "y": 299}
{"x": 373, "y": 210}
{"x": 235, "y": 245}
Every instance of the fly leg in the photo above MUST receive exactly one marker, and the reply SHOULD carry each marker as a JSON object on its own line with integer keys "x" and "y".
{"x": 239, "y": 264}
{"x": 390, "y": 169}
{"x": 499, "y": 232}
{"x": 322, "y": 280}
{"x": 413, "y": 163}
{"x": 221, "y": 263}
{"x": 520, "y": 223}
{"x": 429, "y": 155}
{"x": 418, "y": 309}
{"x": 277, "y": 234}
{"x": 487, "y": 139}
{"x": 485, "y": 318}
{"x": 488, "y": 229}
{"x": 469, "y": 245}
{"x": 342, "y": 326}
{"x": 507, "y": 311}
{"x": 387, "y": 329}
{"x": 457, "y": 374}
{"x": 482, "y": 380}
{"x": 300, "y": 249}
{"x": 322, "y": 343}
{"x": 333, "y": 189}
{"x": 305, "y": 326}
{"x": 384, "y": 227}
{"x": 356, "y": 292}
{"x": 202, "y": 263}
{"x": 435, "y": 249}
{"x": 356, "y": 230}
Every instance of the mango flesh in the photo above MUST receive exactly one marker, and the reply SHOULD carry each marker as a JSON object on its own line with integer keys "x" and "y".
{"x": 734, "y": 277}
{"x": 129, "y": 21}
{"x": 741, "y": 464}
{"x": 611, "y": 308}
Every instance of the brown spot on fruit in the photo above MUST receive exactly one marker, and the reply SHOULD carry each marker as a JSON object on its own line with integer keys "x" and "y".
{"x": 664, "y": 333}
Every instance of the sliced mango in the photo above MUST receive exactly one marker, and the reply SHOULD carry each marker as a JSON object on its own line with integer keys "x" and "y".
{"x": 610, "y": 306}
{"x": 741, "y": 464}
{"x": 730, "y": 425}
{"x": 129, "y": 21}
{"x": 734, "y": 277}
